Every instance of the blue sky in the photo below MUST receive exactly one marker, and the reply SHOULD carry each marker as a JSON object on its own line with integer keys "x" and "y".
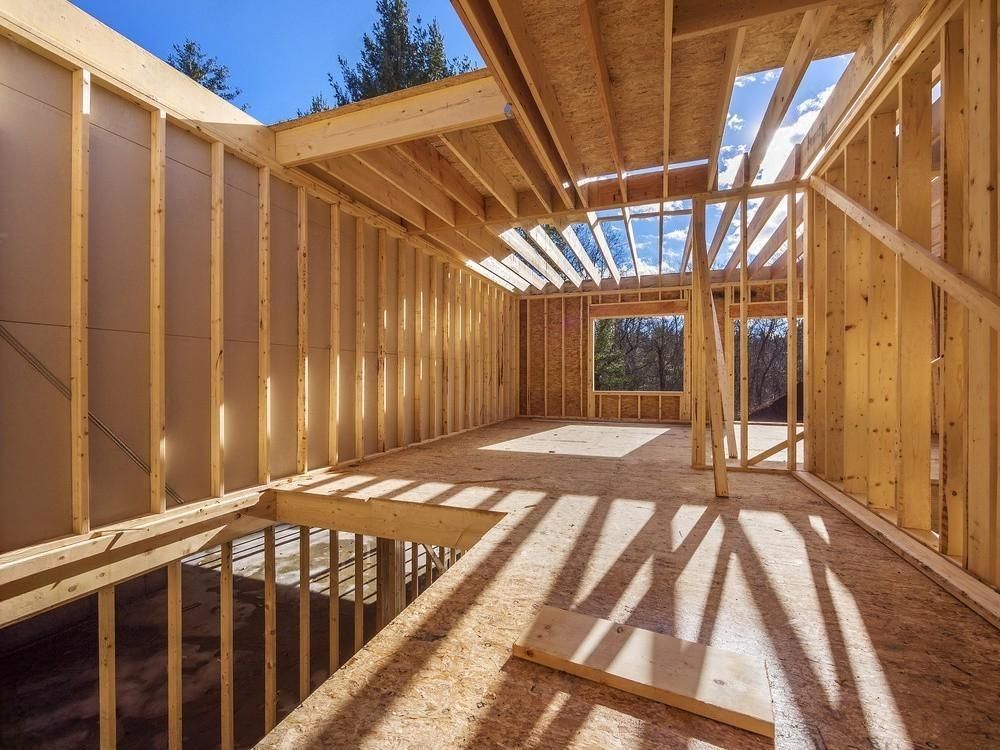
{"x": 278, "y": 52}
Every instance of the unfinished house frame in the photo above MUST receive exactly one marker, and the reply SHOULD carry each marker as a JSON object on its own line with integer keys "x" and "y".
{"x": 296, "y": 373}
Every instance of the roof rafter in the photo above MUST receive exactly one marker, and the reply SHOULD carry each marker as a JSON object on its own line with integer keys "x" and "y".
{"x": 470, "y": 152}
{"x": 592, "y": 41}
{"x": 668, "y": 60}
{"x": 525, "y": 161}
{"x": 410, "y": 182}
{"x": 800, "y": 54}
{"x": 540, "y": 236}
{"x": 511, "y": 19}
{"x": 734, "y": 50}
{"x": 528, "y": 252}
{"x": 489, "y": 39}
{"x": 602, "y": 244}
{"x": 569, "y": 235}
{"x": 434, "y": 167}
{"x": 419, "y": 112}
{"x": 375, "y": 188}
{"x": 630, "y": 236}
{"x": 693, "y": 18}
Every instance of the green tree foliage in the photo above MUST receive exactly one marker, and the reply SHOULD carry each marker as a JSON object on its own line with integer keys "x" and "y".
{"x": 394, "y": 56}
{"x": 191, "y": 60}
{"x": 639, "y": 354}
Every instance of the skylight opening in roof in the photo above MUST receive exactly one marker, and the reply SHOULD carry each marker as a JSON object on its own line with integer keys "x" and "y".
{"x": 648, "y": 208}
{"x": 675, "y": 232}
{"x": 647, "y": 244}
{"x": 751, "y": 94}
{"x": 586, "y": 238}
{"x": 615, "y": 213}
{"x": 614, "y": 231}
{"x": 815, "y": 88}
{"x": 565, "y": 249}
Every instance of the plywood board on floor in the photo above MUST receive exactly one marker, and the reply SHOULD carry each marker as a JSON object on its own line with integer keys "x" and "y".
{"x": 712, "y": 682}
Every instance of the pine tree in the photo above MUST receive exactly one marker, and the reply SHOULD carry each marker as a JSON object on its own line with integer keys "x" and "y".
{"x": 191, "y": 60}
{"x": 394, "y": 56}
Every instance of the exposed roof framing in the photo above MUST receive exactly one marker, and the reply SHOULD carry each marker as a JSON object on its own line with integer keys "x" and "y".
{"x": 519, "y": 151}
{"x": 601, "y": 241}
{"x": 569, "y": 235}
{"x": 799, "y": 56}
{"x": 764, "y": 213}
{"x": 592, "y": 41}
{"x": 489, "y": 38}
{"x": 668, "y": 58}
{"x": 694, "y": 18}
{"x": 540, "y": 236}
{"x": 777, "y": 268}
{"x": 630, "y": 237}
{"x": 410, "y": 182}
{"x": 528, "y": 252}
{"x": 419, "y": 112}
{"x": 470, "y": 152}
{"x": 361, "y": 179}
{"x": 497, "y": 268}
{"x": 425, "y": 158}
{"x": 734, "y": 49}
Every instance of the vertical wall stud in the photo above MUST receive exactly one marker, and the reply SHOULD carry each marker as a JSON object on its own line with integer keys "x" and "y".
{"x": 380, "y": 373}
{"x": 106, "y": 667}
{"x": 403, "y": 366}
{"x": 218, "y": 426}
{"x": 792, "y": 295}
{"x": 359, "y": 592}
{"x": 157, "y": 310}
{"x": 334, "y": 431}
{"x": 419, "y": 270}
{"x": 333, "y": 614}
{"x": 270, "y": 632}
{"x": 359, "y": 339}
{"x": 79, "y": 230}
{"x": 434, "y": 406}
{"x": 305, "y": 650}
{"x": 302, "y": 331}
{"x": 175, "y": 655}
{"x": 263, "y": 325}
{"x": 226, "y": 636}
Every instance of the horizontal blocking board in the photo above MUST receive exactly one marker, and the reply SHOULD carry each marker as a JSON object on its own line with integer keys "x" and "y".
{"x": 712, "y": 682}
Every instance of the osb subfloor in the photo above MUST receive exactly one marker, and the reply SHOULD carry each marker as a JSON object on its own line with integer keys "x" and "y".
{"x": 862, "y": 650}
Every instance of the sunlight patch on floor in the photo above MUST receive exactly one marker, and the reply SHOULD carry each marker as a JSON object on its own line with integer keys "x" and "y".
{"x": 598, "y": 441}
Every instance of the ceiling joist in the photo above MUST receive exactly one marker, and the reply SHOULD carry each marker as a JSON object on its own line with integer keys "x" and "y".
{"x": 434, "y": 167}
{"x": 540, "y": 236}
{"x": 470, "y": 152}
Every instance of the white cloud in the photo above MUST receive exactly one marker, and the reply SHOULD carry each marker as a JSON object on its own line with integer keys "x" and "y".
{"x": 790, "y": 134}
{"x": 746, "y": 80}
{"x": 770, "y": 75}
{"x": 814, "y": 104}
{"x": 734, "y": 121}
{"x": 676, "y": 234}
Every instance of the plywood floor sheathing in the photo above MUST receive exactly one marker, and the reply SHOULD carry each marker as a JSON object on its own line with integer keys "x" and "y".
{"x": 861, "y": 649}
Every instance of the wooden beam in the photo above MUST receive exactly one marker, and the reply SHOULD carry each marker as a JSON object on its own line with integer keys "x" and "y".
{"x": 693, "y": 19}
{"x": 791, "y": 344}
{"x": 714, "y": 370}
{"x": 972, "y": 294}
{"x": 488, "y": 35}
{"x": 527, "y": 251}
{"x": 410, "y": 182}
{"x": 667, "y": 67}
{"x": 216, "y": 277}
{"x": 305, "y": 650}
{"x": 302, "y": 331}
{"x": 457, "y": 103}
{"x": 389, "y": 580}
{"x": 800, "y": 54}
{"x": 630, "y": 237}
{"x": 704, "y": 680}
{"x": 335, "y": 292}
{"x": 175, "y": 655}
{"x": 390, "y": 519}
{"x": 730, "y": 68}
{"x": 381, "y": 307}
{"x": 404, "y": 338}
{"x": 270, "y": 632}
{"x": 333, "y": 612}
{"x": 157, "y": 311}
{"x": 79, "y": 220}
{"x": 470, "y": 153}
{"x": 569, "y": 234}
{"x": 439, "y": 171}
{"x": 107, "y": 710}
{"x": 360, "y": 249}
{"x": 592, "y": 40}
{"x": 358, "y": 176}
{"x": 227, "y": 635}
{"x": 638, "y": 309}
{"x": 515, "y": 145}
{"x": 777, "y": 309}
{"x": 834, "y": 352}
{"x": 263, "y": 325}
{"x": 602, "y": 244}
{"x": 540, "y": 237}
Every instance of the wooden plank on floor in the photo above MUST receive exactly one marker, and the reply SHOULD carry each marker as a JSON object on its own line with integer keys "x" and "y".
{"x": 722, "y": 685}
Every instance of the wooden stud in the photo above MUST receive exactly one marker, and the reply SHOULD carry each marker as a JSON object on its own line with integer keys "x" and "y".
{"x": 792, "y": 293}
{"x": 403, "y": 323}
{"x": 175, "y": 655}
{"x": 835, "y": 332}
{"x": 334, "y": 430}
{"x": 882, "y": 362}
{"x": 913, "y": 299}
{"x": 954, "y": 457}
{"x": 106, "y": 667}
{"x": 270, "y": 632}
{"x": 359, "y": 592}
{"x": 215, "y": 313}
{"x": 333, "y": 613}
{"x": 226, "y": 651}
{"x": 305, "y": 651}
{"x": 380, "y": 373}
{"x": 359, "y": 340}
{"x": 744, "y": 342}
{"x": 447, "y": 385}
{"x": 263, "y": 325}
{"x": 302, "y": 359}
{"x": 157, "y": 311}
{"x": 434, "y": 406}
{"x": 78, "y": 301}
{"x": 420, "y": 270}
